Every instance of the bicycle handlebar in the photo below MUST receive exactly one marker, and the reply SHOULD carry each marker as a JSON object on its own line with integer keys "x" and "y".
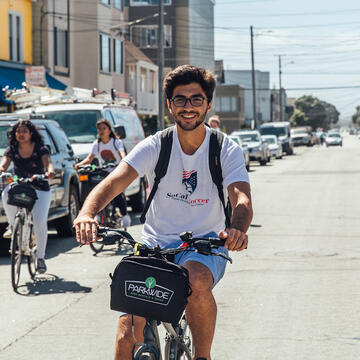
{"x": 93, "y": 168}
{"x": 14, "y": 178}
{"x": 199, "y": 244}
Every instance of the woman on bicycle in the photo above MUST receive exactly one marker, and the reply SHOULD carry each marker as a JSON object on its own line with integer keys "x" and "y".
{"x": 107, "y": 148}
{"x": 30, "y": 156}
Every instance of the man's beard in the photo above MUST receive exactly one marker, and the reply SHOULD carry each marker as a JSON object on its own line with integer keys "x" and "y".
{"x": 199, "y": 121}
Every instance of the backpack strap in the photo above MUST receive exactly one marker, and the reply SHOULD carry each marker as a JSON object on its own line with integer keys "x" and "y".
{"x": 216, "y": 140}
{"x": 161, "y": 166}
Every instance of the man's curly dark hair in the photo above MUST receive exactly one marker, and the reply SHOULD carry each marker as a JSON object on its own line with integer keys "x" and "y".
{"x": 187, "y": 74}
{"x": 35, "y": 135}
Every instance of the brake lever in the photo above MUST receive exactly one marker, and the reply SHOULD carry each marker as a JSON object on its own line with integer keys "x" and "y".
{"x": 224, "y": 256}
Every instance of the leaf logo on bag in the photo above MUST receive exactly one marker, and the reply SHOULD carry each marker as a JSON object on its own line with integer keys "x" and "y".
{"x": 150, "y": 282}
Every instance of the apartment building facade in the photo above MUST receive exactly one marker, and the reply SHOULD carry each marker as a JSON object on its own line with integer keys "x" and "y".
{"x": 81, "y": 42}
{"x": 262, "y": 84}
{"x": 230, "y": 106}
{"x": 188, "y": 31}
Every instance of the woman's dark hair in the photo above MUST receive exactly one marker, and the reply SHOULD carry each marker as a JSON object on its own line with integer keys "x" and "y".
{"x": 187, "y": 74}
{"x": 36, "y": 137}
{"x": 107, "y": 123}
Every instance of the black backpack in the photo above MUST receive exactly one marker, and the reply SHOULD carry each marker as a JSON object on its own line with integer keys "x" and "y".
{"x": 216, "y": 140}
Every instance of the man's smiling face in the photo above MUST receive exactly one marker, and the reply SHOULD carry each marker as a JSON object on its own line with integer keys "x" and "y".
{"x": 188, "y": 116}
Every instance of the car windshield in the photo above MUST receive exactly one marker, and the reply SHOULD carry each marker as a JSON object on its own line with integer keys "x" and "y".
{"x": 278, "y": 131}
{"x": 79, "y": 126}
{"x": 334, "y": 135}
{"x": 236, "y": 139}
{"x": 270, "y": 140}
{"x": 3, "y": 139}
{"x": 246, "y": 138}
{"x": 296, "y": 132}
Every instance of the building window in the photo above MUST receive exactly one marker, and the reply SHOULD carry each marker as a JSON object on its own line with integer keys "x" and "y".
{"x": 118, "y": 56}
{"x": 118, "y": 4}
{"x": 142, "y": 80}
{"x": 146, "y": 36}
{"x": 148, "y": 2}
{"x": 152, "y": 81}
{"x": 226, "y": 104}
{"x": 15, "y": 37}
{"x": 105, "y": 2}
{"x": 105, "y": 55}
{"x": 61, "y": 48}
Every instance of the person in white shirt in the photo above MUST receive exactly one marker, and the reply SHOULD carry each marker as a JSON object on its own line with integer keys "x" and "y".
{"x": 186, "y": 199}
{"x": 107, "y": 148}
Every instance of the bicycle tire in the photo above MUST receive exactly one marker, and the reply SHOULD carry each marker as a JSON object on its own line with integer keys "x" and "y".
{"x": 145, "y": 355}
{"x": 31, "y": 259}
{"x": 16, "y": 253}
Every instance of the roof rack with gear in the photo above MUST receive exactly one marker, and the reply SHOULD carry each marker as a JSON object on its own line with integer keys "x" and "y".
{"x": 32, "y": 96}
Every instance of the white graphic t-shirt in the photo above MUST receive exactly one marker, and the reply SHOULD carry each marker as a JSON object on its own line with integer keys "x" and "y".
{"x": 186, "y": 199}
{"x": 107, "y": 152}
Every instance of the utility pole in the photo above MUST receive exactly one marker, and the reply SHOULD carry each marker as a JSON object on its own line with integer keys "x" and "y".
{"x": 160, "y": 121}
{"x": 254, "y": 124}
{"x": 280, "y": 91}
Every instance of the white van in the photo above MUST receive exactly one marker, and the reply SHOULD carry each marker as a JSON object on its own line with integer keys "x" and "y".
{"x": 78, "y": 120}
{"x": 282, "y": 130}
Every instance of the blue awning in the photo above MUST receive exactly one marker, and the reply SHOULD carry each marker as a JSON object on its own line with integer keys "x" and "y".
{"x": 15, "y": 77}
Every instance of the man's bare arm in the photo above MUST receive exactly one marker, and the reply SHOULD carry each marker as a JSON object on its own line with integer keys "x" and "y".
{"x": 240, "y": 199}
{"x": 99, "y": 197}
{"x": 242, "y": 213}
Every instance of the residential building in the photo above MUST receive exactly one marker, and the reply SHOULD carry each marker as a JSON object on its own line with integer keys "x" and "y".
{"x": 262, "y": 91}
{"x": 16, "y": 52}
{"x": 188, "y": 31}
{"x": 81, "y": 42}
{"x": 229, "y": 105}
{"x": 141, "y": 80}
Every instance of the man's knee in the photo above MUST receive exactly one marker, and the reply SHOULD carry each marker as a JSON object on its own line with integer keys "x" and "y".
{"x": 200, "y": 277}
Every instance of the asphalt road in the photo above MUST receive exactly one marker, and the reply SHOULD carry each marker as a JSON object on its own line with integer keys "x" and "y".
{"x": 293, "y": 294}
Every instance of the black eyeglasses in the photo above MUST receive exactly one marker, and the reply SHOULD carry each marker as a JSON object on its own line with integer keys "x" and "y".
{"x": 196, "y": 100}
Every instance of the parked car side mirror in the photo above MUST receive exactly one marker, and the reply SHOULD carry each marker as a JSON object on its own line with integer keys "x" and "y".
{"x": 120, "y": 131}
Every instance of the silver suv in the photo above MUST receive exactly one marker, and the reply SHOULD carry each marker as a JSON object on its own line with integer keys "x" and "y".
{"x": 258, "y": 150}
{"x": 65, "y": 188}
{"x": 79, "y": 123}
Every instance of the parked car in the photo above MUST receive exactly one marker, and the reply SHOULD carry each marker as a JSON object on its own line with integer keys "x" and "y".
{"x": 282, "y": 130}
{"x": 257, "y": 149}
{"x": 244, "y": 149}
{"x": 302, "y": 136}
{"x": 79, "y": 123}
{"x": 333, "y": 139}
{"x": 275, "y": 145}
{"x": 65, "y": 188}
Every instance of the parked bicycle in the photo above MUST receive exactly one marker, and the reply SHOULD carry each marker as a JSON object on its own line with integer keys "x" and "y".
{"x": 90, "y": 176}
{"x": 127, "y": 293}
{"x": 23, "y": 245}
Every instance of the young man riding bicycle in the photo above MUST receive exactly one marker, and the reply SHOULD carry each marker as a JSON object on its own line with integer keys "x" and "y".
{"x": 186, "y": 199}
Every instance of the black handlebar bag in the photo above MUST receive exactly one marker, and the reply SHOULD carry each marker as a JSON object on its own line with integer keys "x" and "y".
{"x": 22, "y": 195}
{"x": 150, "y": 287}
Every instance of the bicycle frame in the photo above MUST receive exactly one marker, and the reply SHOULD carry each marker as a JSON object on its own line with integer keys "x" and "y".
{"x": 151, "y": 342}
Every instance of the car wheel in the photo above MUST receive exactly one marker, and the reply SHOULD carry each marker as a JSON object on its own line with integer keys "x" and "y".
{"x": 248, "y": 167}
{"x": 64, "y": 226}
{"x": 263, "y": 162}
{"x": 137, "y": 201}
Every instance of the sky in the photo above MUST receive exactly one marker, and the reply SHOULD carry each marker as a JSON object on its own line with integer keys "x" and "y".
{"x": 318, "y": 40}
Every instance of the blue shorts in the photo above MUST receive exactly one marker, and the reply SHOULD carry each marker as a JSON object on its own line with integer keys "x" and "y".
{"x": 215, "y": 264}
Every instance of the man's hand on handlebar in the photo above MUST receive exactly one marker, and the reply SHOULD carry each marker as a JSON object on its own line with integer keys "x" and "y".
{"x": 236, "y": 240}
{"x": 85, "y": 229}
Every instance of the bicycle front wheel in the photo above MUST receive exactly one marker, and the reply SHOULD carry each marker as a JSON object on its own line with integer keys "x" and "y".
{"x": 31, "y": 258}
{"x": 16, "y": 253}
